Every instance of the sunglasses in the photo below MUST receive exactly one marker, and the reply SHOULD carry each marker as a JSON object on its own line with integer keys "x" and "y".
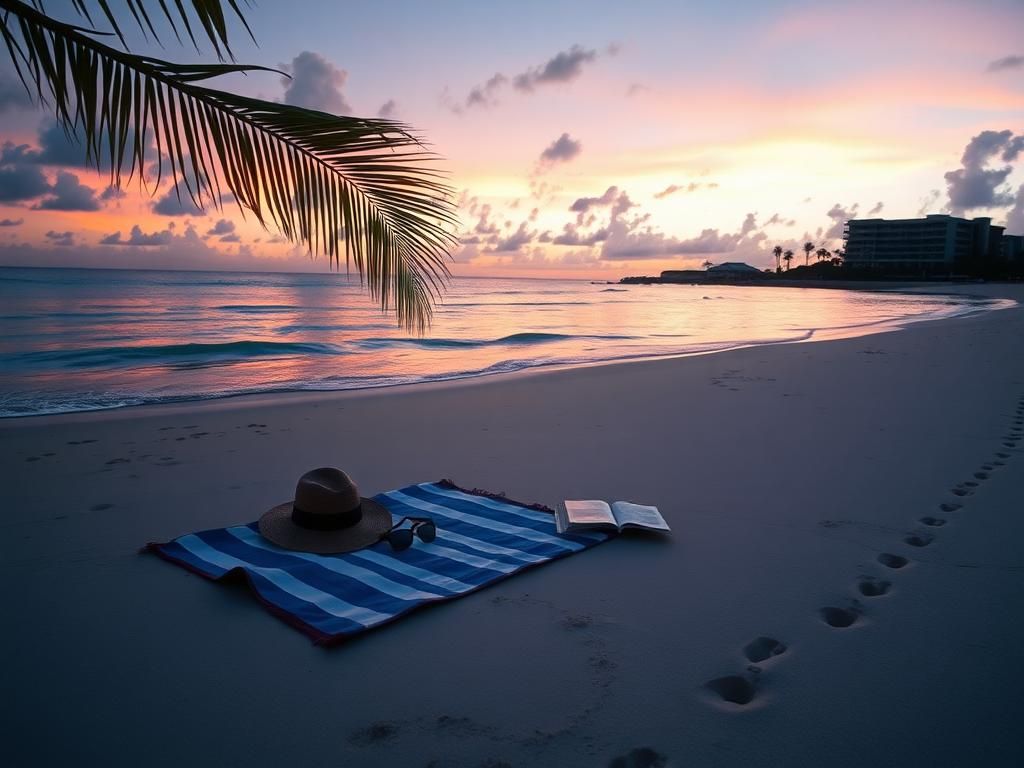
{"x": 401, "y": 538}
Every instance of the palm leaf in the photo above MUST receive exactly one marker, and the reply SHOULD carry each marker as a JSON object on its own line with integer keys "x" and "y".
{"x": 359, "y": 190}
{"x": 209, "y": 13}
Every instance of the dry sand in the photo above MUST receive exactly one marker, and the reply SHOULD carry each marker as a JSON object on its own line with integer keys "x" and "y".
{"x": 785, "y": 472}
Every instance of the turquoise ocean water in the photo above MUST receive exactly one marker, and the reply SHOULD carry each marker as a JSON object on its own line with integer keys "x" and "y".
{"x": 80, "y": 339}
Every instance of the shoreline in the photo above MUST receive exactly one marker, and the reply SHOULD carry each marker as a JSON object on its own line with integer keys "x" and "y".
{"x": 785, "y": 471}
{"x": 815, "y": 336}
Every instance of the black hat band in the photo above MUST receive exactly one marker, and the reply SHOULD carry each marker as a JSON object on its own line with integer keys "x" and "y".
{"x": 327, "y": 522}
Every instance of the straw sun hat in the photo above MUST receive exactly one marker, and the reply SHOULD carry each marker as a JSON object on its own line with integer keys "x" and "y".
{"x": 327, "y": 516}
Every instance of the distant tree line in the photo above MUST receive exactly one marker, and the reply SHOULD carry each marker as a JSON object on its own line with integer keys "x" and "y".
{"x": 824, "y": 255}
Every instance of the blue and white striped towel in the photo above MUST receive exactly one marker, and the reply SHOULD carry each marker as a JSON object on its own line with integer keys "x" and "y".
{"x": 481, "y": 539}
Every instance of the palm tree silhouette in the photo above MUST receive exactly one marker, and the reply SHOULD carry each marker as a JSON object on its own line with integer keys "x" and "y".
{"x": 356, "y": 190}
{"x": 808, "y": 247}
{"x": 778, "y": 256}
{"x": 787, "y": 257}
{"x": 707, "y": 265}
{"x": 822, "y": 253}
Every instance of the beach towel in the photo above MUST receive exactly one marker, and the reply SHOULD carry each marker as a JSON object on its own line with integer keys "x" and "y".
{"x": 481, "y": 539}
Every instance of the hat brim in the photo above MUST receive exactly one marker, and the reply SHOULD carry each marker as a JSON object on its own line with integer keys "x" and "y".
{"x": 277, "y": 526}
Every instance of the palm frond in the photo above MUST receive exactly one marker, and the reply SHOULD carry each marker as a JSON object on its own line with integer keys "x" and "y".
{"x": 359, "y": 190}
{"x": 208, "y": 13}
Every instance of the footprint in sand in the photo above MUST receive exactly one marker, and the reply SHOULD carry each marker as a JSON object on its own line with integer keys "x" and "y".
{"x": 935, "y": 522}
{"x": 981, "y": 475}
{"x": 950, "y": 506}
{"x": 869, "y": 586}
{"x": 1003, "y": 455}
{"x": 839, "y": 618}
{"x": 919, "y": 539}
{"x": 961, "y": 492}
{"x": 763, "y": 648}
{"x": 100, "y": 507}
{"x": 733, "y": 688}
{"x": 892, "y": 561}
{"x": 641, "y": 757}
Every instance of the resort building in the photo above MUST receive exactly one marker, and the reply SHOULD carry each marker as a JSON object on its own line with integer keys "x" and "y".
{"x": 936, "y": 244}
{"x": 1013, "y": 250}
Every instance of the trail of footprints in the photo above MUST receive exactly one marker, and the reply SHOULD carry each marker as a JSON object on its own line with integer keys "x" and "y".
{"x": 742, "y": 689}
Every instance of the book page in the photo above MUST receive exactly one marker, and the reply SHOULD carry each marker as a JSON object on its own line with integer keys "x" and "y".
{"x": 627, "y": 513}
{"x": 589, "y": 513}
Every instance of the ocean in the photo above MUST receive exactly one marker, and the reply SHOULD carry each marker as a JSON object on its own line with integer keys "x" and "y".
{"x": 84, "y": 339}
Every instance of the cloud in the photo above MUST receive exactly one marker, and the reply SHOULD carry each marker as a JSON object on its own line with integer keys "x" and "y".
{"x": 561, "y": 150}
{"x": 68, "y": 194}
{"x": 222, "y": 227}
{"x": 61, "y": 238}
{"x": 637, "y": 240}
{"x": 1014, "y": 147}
{"x": 522, "y": 236}
{"x": 486, "y": 95}
{"x": 20, "y": 179}
{"x": 778, "y": 219}
{"x": 484, "y": 225}
{"x": 387, "y": 109}
{"x": 58, "y": 147}
{"x": 749, "y": 224}
{"x": 839, "y": 216}
{"x": 877, "y": 208}
{"x": 563, "y": 67}
{"x": 112, "y": 193}
{"x": 976, "y": 186}
{"x": 693, "y": 186}
{"x": 1007, "y": 62}
{"x": 177, "y": 202}
{"x": 618, "y": 201}
{"x": 224, "y": 230}
{"x": 1015, "y": 219}
{"x": 316, "y": 84}
{"x": 11, "y": 222}
{"x": 571, "y": 236}
{"x": 140, "y": 238}
{"x": 928, "y": 202}
{"x": 13, "y": 94}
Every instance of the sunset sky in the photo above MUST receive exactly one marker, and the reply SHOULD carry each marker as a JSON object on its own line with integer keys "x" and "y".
{"x": 587, "y": 139}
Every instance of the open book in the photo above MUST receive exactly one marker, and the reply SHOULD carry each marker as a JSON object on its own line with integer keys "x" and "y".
{"x": 590, "y": 515}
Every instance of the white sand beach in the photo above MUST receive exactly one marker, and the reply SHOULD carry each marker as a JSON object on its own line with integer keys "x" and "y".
{"x": 784, "y": 471}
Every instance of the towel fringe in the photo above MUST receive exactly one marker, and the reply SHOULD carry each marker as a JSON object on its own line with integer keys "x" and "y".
{"x": 445, "y": 483}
